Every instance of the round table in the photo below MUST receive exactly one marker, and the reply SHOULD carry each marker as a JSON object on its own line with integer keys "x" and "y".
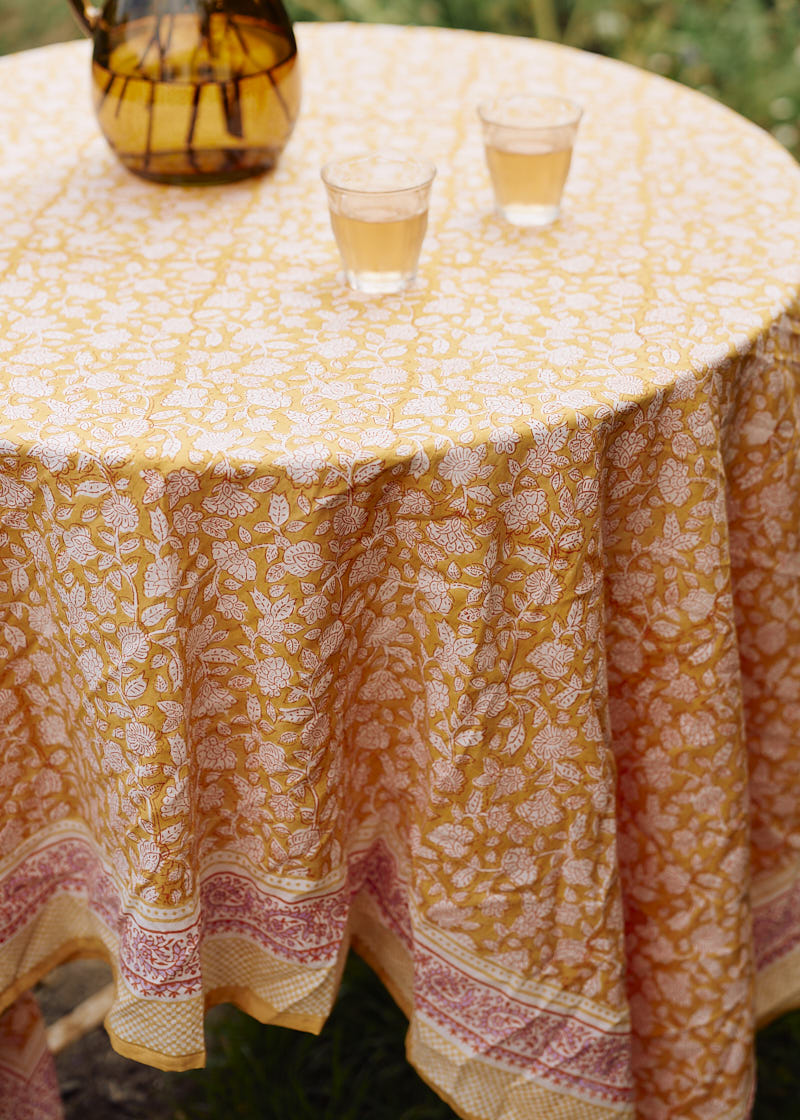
{"x": 462, "y": 626}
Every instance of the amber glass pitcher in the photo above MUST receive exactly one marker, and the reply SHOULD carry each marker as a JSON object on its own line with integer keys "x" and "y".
{"x": 193, "y": 91}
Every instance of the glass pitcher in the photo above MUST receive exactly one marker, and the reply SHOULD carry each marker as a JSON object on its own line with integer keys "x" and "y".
{"x": 193, "y": 91}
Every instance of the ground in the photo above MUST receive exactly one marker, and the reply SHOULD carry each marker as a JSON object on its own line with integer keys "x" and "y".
{"x": 97, "y": 1083}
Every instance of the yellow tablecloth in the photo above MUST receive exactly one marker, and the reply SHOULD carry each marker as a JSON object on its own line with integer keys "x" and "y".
{"x": 463, "y": 625}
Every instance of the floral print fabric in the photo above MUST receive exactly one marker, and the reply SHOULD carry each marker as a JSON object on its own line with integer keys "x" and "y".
{"x": 462, "y": 625}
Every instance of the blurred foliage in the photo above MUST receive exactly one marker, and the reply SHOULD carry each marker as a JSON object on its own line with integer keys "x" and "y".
{"x": 778, "y": 1056}
{"x": 31, "y": 23}
{"x": 746, "y": 53}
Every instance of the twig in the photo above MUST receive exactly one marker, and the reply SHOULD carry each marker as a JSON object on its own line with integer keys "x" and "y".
{"x": 82, "y": 1019}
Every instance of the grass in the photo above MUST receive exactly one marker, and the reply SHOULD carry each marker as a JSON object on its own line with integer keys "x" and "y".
{"x": 778, "y": 1057}
{"x": 32, "y": 23}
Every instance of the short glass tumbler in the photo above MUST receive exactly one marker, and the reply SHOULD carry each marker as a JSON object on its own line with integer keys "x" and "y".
{"x": 528, "y": 141}
{"x": 379, "y": 213}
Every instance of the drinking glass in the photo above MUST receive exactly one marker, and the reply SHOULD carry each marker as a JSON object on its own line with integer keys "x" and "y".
{"x": 379, "y": 213}
{"x": 528, "y": 140}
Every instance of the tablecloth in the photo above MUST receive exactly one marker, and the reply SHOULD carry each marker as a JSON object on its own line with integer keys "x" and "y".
{"x": 29, "y": 1088}
{"x": 461, "y": 626}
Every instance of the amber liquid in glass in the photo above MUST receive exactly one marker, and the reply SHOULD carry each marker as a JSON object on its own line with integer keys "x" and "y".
{"x": 528, "y": 181}
{"x": 380, "y": 246}
{"x": 383, "y": 242}
{"x": 178, "y": 105}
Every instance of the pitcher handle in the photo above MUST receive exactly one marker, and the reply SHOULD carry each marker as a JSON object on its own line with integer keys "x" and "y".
{"x": 87, "y": 14}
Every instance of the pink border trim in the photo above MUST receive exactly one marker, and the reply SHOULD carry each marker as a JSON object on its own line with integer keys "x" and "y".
{"x": 37, "y": 1097}
{"x": 167, "y": 963}
{"x": 776, "y": 926}
{"x": 564, "y": 1051}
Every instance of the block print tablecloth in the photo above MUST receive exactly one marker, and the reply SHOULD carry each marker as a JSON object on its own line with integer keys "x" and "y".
{"x": 29, "y": 1087}
{"x": 462, "y": 625}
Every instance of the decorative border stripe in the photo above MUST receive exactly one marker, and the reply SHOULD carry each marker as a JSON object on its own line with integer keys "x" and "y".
{"x": 509, "y": 1031}
{"x": 776, "y": 925}
{"x": 550, "y": 1045}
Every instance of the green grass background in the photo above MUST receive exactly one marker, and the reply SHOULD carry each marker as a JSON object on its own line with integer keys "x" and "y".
{"x": 746, "y": 53}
